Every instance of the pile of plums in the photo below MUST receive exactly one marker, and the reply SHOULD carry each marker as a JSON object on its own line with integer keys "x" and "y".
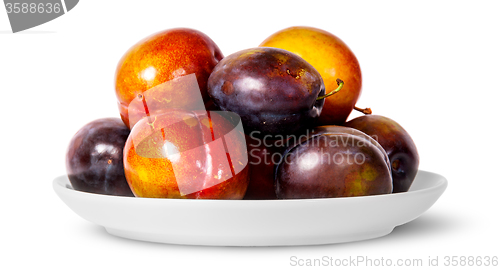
{"x": 268, "y": 122}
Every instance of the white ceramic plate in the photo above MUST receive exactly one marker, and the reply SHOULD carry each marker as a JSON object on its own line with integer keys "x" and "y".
{"x": 254, "y": 223}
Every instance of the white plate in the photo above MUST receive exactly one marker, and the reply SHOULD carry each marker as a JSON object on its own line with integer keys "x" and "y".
{"x": 254, "y": 223}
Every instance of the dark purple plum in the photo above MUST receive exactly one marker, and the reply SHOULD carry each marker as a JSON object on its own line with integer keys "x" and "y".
{"x": 273, "y": 91}
{"x": 94, "y": 159}
{"x": 330, "y": 162}
{"x": 397, "y": 143}
{"x": 263, "y": 155}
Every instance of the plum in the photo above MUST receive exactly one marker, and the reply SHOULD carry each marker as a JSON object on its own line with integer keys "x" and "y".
{"x": 397, "y": 143}
{"x": 263, "y": 155}
{"x": 184, "y": 154}
{"x": 273, "y": 91}
{"x": 94, "y": 158}
{"x": 164, "y": 65}
{"x": 333, "y": 161}
{"x": 332, "y": 58}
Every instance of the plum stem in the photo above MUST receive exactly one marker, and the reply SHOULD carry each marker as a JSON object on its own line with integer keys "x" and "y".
{"x": 365, "y": 110}
{"x": 340, "y": 83}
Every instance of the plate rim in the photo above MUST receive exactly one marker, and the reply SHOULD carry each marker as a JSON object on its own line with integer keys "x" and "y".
{"x": 60, "y": 185}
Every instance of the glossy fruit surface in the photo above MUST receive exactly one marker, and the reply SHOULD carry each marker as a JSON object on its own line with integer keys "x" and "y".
{"x": 183, "y": 154}
{"x": 398, "y": 144}
{"x": 332, "y": 58}
{"x": 331, "y": 162}
{"x": 161, "y": 58}
{"x": 94, "y": 159}
{"x": 272, "y": 90}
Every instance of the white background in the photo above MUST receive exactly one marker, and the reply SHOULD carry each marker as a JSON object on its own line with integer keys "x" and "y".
{"x": 433, "y": 66}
